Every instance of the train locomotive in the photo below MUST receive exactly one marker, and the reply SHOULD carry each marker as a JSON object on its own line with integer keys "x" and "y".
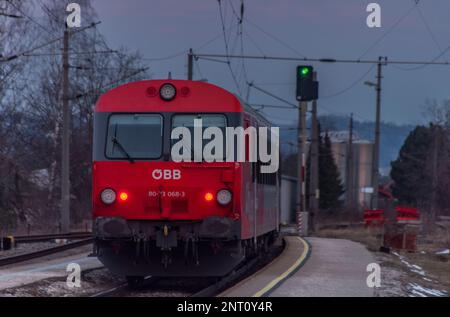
{"x": 157, "y": 217}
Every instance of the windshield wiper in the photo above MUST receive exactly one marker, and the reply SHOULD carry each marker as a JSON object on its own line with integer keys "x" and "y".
{"x": 117, "y": 142}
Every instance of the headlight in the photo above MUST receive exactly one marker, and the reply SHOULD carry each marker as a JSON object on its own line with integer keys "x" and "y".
{"x": 224, "y": 197}
{"x": 108, "y": 196}
{"x": 168, "y": 92}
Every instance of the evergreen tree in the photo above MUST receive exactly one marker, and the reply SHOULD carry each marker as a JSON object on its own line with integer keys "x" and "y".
{"x": 412, "y": 170}
{"x": 330, "y": 184}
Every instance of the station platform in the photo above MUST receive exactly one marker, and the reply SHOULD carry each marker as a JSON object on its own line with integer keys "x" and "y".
{"x": 261, "y": 283}
{"x": 311, "y": 267}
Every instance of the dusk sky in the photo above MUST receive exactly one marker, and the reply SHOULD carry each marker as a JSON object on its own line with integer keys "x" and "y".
{"x": 313, "y": 28}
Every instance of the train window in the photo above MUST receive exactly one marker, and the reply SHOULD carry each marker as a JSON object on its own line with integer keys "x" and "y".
{"x": 208, "y": 120}
{"x": 134, "y": 136}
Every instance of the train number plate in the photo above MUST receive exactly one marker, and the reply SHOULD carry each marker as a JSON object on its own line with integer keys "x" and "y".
{"x": 169, "y": 194}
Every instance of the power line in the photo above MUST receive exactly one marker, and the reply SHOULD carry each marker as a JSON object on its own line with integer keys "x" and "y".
{"x": 159, "y": 59}
{"x": 320, "y": 60}
{"x": 70, "y": 53}
{"x": 427, "y": 26}
{"x": 29, "y": 17}
{"x": 93, "y": 91}
{"x": 18, "y": 55}
{"x": 212, "y": 60}
{"x": 434, "y": 39}
{"x": 275, "y": 84}
{"x": 227, "y": 48}
{"x": 425, "y": 64}
{"x": 275, "y": 38}
{"x": 400, "y": 20}
{"x": 351, "y": 86}
{"x": 241, "y": 35}
{"x": 197, "y": 64}
{"x": 263, "y": 106}
{"x": 239, "y": 69}
{"x": 184, "y": 52}
{"x": 294, "y": 106}
{"x": 255, "y": 44}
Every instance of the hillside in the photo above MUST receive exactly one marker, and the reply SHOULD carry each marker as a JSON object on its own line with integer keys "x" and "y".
{"x": 392, "y": 135}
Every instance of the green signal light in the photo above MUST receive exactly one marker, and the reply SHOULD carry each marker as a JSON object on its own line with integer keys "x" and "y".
{"x": 304, "y": 71}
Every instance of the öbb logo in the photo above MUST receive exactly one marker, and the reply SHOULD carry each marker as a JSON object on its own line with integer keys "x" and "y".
{"x": 166, "y": 175}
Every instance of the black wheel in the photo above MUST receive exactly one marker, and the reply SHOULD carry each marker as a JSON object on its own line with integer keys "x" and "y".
{"x": 135, "y": 281}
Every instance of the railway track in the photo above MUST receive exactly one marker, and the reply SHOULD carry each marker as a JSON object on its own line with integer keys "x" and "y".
{"x": 37, "y": 254}
{"x": 228, "y": 280}
{"x": 191, "y": 287}
{"x": 48, "y": 237}
{"x": 212, "y": 289}
{"x": 122, "y": 288}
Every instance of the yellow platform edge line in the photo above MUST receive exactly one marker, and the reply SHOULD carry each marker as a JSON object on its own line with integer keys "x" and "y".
{"x": 282, "y": 277}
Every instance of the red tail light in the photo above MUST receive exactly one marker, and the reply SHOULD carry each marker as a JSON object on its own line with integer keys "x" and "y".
{"x": 123, "y": 196}
{"x": 209, "y": 197}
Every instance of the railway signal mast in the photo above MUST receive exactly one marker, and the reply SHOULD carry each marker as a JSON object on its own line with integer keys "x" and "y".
{"x": 307, "y": 90}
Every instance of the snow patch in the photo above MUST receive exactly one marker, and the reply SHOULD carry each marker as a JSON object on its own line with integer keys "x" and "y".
{"x": 418, "y": 290}
{"x": 419, "y": 272}
{"x": 443, "y": 252}
{"x": 412, "y": 267}
{"x": 40, "y": 178}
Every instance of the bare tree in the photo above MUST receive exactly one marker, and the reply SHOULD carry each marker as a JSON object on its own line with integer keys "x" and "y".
{"x": 32, "y": 125}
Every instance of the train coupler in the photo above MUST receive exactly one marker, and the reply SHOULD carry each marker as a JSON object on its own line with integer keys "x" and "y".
{"x": 166, "y": 238}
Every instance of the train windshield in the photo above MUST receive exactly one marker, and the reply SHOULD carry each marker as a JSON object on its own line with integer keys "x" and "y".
{"x": 135, "y": 136}
{"x": 207, "y": 121}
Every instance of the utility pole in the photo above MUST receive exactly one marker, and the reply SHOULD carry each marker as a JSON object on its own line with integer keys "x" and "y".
{"x": 376, "y": 151}
{"x": 350, "y": 167}
{"x": 65, "y": 142}
{"x": 314, "y": 163}
{"x": 434, "y": 170}
{"x": 190, "y": 65}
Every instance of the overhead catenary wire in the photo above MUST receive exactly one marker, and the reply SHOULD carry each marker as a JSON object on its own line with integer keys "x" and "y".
{"x": 262, "y": 106}
{"x": 425, "y": 64}
{"x": 320, "y": 60}
{"x": 115, "y": 82}
{"x": 240, "y": 19}
{"x": 255, "y": 44}
{"x": 197, "y": 66}
{"x": 294, "y": 106}
{"x": 28, "y": 51}
{"x": 275, "y": 38}
{"x": 184, "y": 52}
{"x": 392, "y": 28}
{"x": 70, "y": 53}
{"x": 227, "y": 48}
{"x": 30, "y": 18}
{"x": 357, "y": 81}
{"x": 433, "y": 38}
{"x": 427, "y": 26}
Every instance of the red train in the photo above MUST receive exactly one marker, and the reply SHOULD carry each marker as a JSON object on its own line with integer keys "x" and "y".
{"x": 153, "y": 216}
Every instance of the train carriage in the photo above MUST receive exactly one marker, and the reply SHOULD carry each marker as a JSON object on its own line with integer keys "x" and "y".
{"x": 155, "y": 216}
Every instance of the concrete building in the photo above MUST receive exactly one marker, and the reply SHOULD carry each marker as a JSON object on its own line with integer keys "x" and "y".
{"x": 361, "y": 171}
{"x": 362, "y": 165}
